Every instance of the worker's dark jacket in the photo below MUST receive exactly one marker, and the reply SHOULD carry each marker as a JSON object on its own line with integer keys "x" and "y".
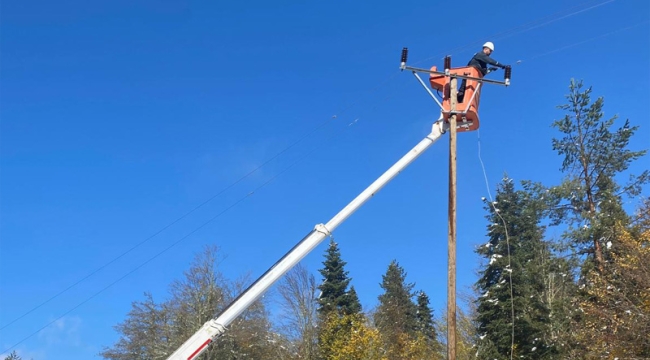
{"x": 481, "y": 60}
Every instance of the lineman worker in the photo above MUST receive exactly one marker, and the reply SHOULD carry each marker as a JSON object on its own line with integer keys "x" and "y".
{"x": 480, "y": 61}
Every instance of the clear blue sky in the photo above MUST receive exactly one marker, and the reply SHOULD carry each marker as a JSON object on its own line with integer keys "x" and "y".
{"x": 117, "y": 117}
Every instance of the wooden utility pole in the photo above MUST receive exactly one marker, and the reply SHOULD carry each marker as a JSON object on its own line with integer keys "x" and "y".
{"x": 451, "y": 256}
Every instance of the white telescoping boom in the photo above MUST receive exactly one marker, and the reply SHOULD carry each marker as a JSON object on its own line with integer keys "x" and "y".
{"x": 199, "y": 342}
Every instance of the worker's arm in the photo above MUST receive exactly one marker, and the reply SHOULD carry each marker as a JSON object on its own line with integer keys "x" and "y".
{"x": 488, "y": 60}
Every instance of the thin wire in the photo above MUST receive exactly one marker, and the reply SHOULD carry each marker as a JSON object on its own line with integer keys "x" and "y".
{"x": 184, "y": 237}
{"x": 525, "y": 27}
{"x": 512, "y": 310}
{"x": 561, "y": 17}
{"x": 168, "y": 225}
{"x": 585, "y": 41}
{"x": 507, "y": 33}
{"x": 383, "y": 101}
{"x": 505, "y": 226}
{"x": 321, "y": 125}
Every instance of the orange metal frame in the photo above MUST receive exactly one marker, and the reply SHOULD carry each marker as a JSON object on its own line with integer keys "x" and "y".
{"x": 467, "y": 111}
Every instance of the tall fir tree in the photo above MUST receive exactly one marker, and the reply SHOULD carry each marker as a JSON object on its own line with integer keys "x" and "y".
{"x": 396, "y": 310}
{"x": 353, "y": 304}
{"x": 425, "y": 324}
{"x": 335, "y": 295}
{"x": 396, "y": 316}
{"x": 512, "y": 282}
{"x": 424, "y": 317}
{"x": 339, "y": 308}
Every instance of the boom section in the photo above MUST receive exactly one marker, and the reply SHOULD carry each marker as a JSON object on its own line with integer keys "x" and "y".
{"x": 199, "y": 342}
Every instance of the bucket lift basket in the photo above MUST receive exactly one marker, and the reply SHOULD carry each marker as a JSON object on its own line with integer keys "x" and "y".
{"x": 466, "y": 112}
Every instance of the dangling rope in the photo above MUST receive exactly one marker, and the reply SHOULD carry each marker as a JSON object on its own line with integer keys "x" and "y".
{"x": 509, "y": 269}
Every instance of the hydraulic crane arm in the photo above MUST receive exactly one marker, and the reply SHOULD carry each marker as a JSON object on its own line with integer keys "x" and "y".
{"x": 200, "y": 341}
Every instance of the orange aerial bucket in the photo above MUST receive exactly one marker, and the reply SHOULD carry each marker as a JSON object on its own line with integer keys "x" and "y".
{"x": 466, "y": 111}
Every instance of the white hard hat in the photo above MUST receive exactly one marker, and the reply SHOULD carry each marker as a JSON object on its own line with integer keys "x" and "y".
{"x": 489, "y": 45}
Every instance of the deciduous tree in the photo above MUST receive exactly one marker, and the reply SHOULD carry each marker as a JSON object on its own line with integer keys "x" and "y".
{"x": 154, "y": 330}
{"x": 298, "y": 298}
{"x": 350, "y": 337}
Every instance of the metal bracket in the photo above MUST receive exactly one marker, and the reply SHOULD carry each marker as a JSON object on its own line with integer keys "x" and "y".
{"x": 462, "y": 122}
{"x": 428, "y": 90}
{"x": 443, "y": 126}
{"x": 321, "y": 228}
{"x": 218, "y": 328}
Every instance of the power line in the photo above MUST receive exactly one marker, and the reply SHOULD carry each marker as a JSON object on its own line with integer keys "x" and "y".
{"x": 168, "y": 225}
{"x": 239, "y": 201}
{"x": 585, "y": 41}
{"x": 514, "y": 31}
{"x": 134, "y": 247}
{"x": 383, "y": 100}
{"x": 509, "y": 268}
{"x": 538, "y": 23}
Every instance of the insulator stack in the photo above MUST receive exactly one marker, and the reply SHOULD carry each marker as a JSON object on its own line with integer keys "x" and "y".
{"x": 447, "y": 63}
{"x": 507, "y": 74}
{"x": 405, "y": 52}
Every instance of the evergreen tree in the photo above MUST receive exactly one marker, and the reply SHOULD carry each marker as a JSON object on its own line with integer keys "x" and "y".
{"x": 593, "y": 156}
{"x": 339, "y": 308}
{"x": 334, "y": 288}
{"x": 425, "y": 325}
{"x": 396, "y": 316}
{"x": 13, "y": 356}
{"x": 354, "y": 305}
{"x": 424, "y": 317}
{"x": 515, "y": 258}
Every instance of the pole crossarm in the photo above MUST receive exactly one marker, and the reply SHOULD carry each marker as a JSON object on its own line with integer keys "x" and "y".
{"x": 482, "y": 80}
